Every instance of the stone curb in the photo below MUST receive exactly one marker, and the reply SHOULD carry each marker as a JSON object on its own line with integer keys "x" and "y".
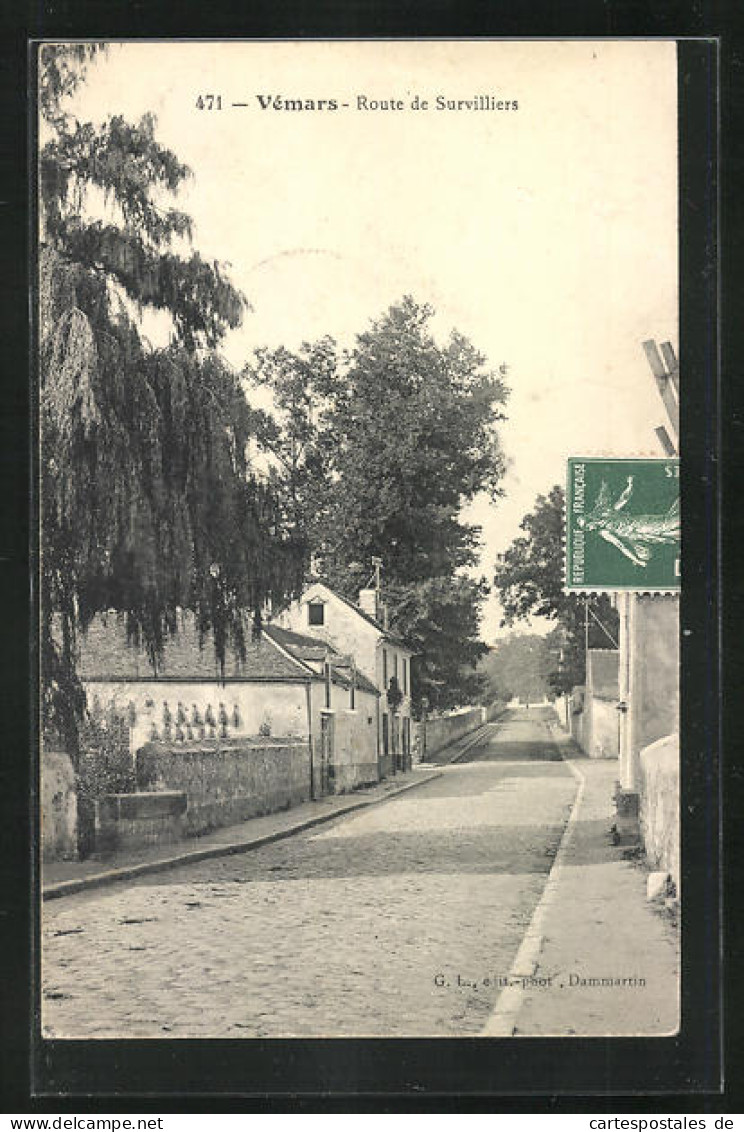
{"x": 480, "y": 734}
{"x": 193, "y": 856}
{"x": 503, "y": 1019}
{"x": 471, "y": 739}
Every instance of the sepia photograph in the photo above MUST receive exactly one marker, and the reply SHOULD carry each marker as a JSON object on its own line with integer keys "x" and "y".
{"x": 359, "y": 531}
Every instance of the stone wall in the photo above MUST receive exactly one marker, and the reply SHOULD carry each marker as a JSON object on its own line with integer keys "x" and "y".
{"x": 131, "y": 821}
{"x": 659, "y": 804}
{"x": 655, "y": 669}
{"x": 228, "y": 781}
{"x": 58, "y": 807}
{"x": 576, "y": 715}
{"x": 649, "y": 676}
{"x": 593, "y": 711}
{"x": 596, "y": 726}
{"x": 599, "y": 726}
{"x": 445, "y": 729}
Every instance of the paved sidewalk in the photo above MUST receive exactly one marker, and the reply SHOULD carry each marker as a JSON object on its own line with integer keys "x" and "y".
{"x": 599, "y": 959}
{"x": 61, "y": 878}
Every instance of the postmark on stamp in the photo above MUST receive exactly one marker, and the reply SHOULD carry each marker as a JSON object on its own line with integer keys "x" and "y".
{"x": 622, "y": 524}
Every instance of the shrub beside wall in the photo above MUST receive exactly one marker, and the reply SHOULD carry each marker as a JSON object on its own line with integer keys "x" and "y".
{"x": 105, "y": 766}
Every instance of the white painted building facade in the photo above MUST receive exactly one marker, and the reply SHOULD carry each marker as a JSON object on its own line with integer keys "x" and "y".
{"x": 359, "y": 631}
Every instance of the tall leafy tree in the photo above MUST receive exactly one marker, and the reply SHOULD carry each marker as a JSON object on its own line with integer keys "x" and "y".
{"x": 148, "y": 500}
{"x": 415, "y": 424}
{"x": 440, "y": 617}
{"x": 298, "y": 434}
{"x": 529, "y": 578}
{"x": 394, "y": 439}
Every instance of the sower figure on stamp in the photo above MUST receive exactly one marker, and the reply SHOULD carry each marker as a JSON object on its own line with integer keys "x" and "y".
{"x": 635, "y": 536}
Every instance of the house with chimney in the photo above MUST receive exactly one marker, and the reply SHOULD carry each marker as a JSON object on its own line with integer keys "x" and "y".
{"x": 360, "y": 631}
{"x": 285, "y": 685}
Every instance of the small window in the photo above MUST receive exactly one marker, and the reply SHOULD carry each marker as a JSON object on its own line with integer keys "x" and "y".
{"x": 384, "y": 668}
{"x": 316, "y": 613}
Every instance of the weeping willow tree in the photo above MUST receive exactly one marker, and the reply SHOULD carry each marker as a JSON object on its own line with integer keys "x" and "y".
{"x": 148, "y": 502}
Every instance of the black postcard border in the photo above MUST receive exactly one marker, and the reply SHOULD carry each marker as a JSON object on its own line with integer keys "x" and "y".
{"x": 424, "y": 1072}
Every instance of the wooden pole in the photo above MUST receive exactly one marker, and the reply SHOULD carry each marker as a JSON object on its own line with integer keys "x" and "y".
{"x": 665, "y": 441}
{"x": 654, "y": 359}
{"x": 672, "y": 365}
{"x": 663, "y": 384}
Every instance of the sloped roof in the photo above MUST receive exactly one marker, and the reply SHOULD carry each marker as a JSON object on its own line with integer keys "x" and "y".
{"x": 363, "y": 683}
{"x": 105, "y": 654}
{"x": 314, "y": 650}
{"x": 306, "y": 648}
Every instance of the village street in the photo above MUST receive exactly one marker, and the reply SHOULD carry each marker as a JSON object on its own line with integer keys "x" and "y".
{"x": 375, "y": 924}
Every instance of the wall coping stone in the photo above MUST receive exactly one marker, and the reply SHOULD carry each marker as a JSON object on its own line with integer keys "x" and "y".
{"x": 668, "y": 745}
{"x": 145, "y": 804}
{"x": 248, "y": 742}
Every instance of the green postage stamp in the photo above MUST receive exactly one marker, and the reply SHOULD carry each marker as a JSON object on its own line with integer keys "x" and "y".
{"x": 622, "y": 524}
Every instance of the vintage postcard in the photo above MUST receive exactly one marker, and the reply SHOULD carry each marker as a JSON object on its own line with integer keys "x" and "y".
{"x": 360, "y": 558}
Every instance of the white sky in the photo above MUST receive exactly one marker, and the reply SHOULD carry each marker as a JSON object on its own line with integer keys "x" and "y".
{"x": 547, "y": 235}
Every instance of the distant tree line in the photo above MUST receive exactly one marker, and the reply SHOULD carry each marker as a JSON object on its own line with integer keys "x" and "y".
{"x": 530, "y": 578}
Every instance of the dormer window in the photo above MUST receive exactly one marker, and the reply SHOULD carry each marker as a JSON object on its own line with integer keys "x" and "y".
{"x": 316, "y": 613}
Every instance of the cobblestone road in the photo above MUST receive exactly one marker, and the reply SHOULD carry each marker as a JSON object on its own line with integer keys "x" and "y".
{"x": 372, "y": 925}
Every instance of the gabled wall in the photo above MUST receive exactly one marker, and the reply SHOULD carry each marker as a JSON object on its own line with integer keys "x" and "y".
{"x": 346, "y": 630}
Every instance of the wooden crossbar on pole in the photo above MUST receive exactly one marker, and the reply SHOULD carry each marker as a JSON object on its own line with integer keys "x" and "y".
{"x": 667, "y": 391}
{"x": 665, "y": 441}
{"x": 672, "y": 365}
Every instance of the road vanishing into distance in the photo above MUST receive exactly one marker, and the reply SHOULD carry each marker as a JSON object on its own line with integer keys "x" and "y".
{"x": 397, "y": 920}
